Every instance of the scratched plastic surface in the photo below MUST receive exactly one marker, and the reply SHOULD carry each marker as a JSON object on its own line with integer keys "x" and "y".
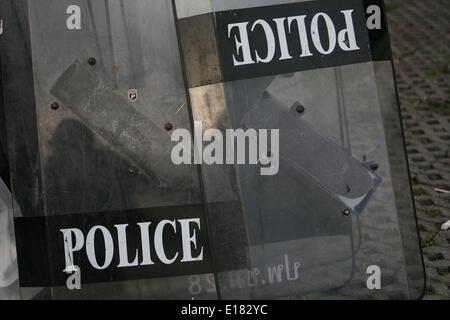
{"x": 301, "y": 245}
{"x": 99, "y": 150}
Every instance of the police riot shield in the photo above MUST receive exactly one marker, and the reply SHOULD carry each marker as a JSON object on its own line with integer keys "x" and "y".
{"x": 207, "y": 149}
{"x": 105, "y": 208}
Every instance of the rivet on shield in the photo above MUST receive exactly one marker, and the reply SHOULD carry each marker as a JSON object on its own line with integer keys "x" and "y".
{"x": 92, "y": 61}
{"x": 168, "y": 126}
{"x": 374, "y": 166}
{"x": 54, "y": 106}
{"x": 299, "y": 108}
{"x": 346, "y": 212}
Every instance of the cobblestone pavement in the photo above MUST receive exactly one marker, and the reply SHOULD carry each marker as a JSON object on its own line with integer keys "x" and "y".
{"x": 420, "y": 33}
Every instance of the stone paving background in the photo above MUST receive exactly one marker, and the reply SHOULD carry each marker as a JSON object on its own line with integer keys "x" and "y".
{"x": 420, "y": 33}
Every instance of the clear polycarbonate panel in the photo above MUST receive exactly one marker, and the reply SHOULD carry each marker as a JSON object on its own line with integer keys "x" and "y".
{"x": 400, "y": 180}
{"x": 125, "y": 40}
{"x": 108, "y": 87}
{"x": 339, "y": 207}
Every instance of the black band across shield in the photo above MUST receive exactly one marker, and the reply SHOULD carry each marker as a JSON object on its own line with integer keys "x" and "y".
{"x": 227, "y": 43}
{"x": 41, "y": 246}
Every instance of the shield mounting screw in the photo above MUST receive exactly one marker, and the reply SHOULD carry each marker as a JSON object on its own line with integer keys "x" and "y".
{"x": 92, "y": 61}
{"x": 374, "y": 166}
{"x": 168, "y": 126}
{"x": 54, "y": 106}
{"x": 300, "y": 109}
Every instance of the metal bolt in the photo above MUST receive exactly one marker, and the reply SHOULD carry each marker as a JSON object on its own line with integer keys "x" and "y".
{"x": 346, "y": 212}
{"x": 92, "y": 61}
{"x": 54, "y": 106}
{"x": 168, "y": 126}
{"x": 300, "y": 109}
{"x": 374, "y": 166}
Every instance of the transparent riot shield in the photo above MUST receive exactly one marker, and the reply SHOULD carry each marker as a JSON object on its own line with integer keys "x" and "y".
{"x": 335, "y": 218}
{"x": 95, "y": 93}
{"x": 113, "y": 216}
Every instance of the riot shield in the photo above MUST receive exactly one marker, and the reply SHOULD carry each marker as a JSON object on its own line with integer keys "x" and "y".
{"x": 339, "y": 207}
{"x": 95, "y": 92}
{"x": 107, "y": 89}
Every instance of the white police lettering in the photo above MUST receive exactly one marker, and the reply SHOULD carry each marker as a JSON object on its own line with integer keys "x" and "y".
{"x": 344, "y": 39}
{"x": 101, "y": 237}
